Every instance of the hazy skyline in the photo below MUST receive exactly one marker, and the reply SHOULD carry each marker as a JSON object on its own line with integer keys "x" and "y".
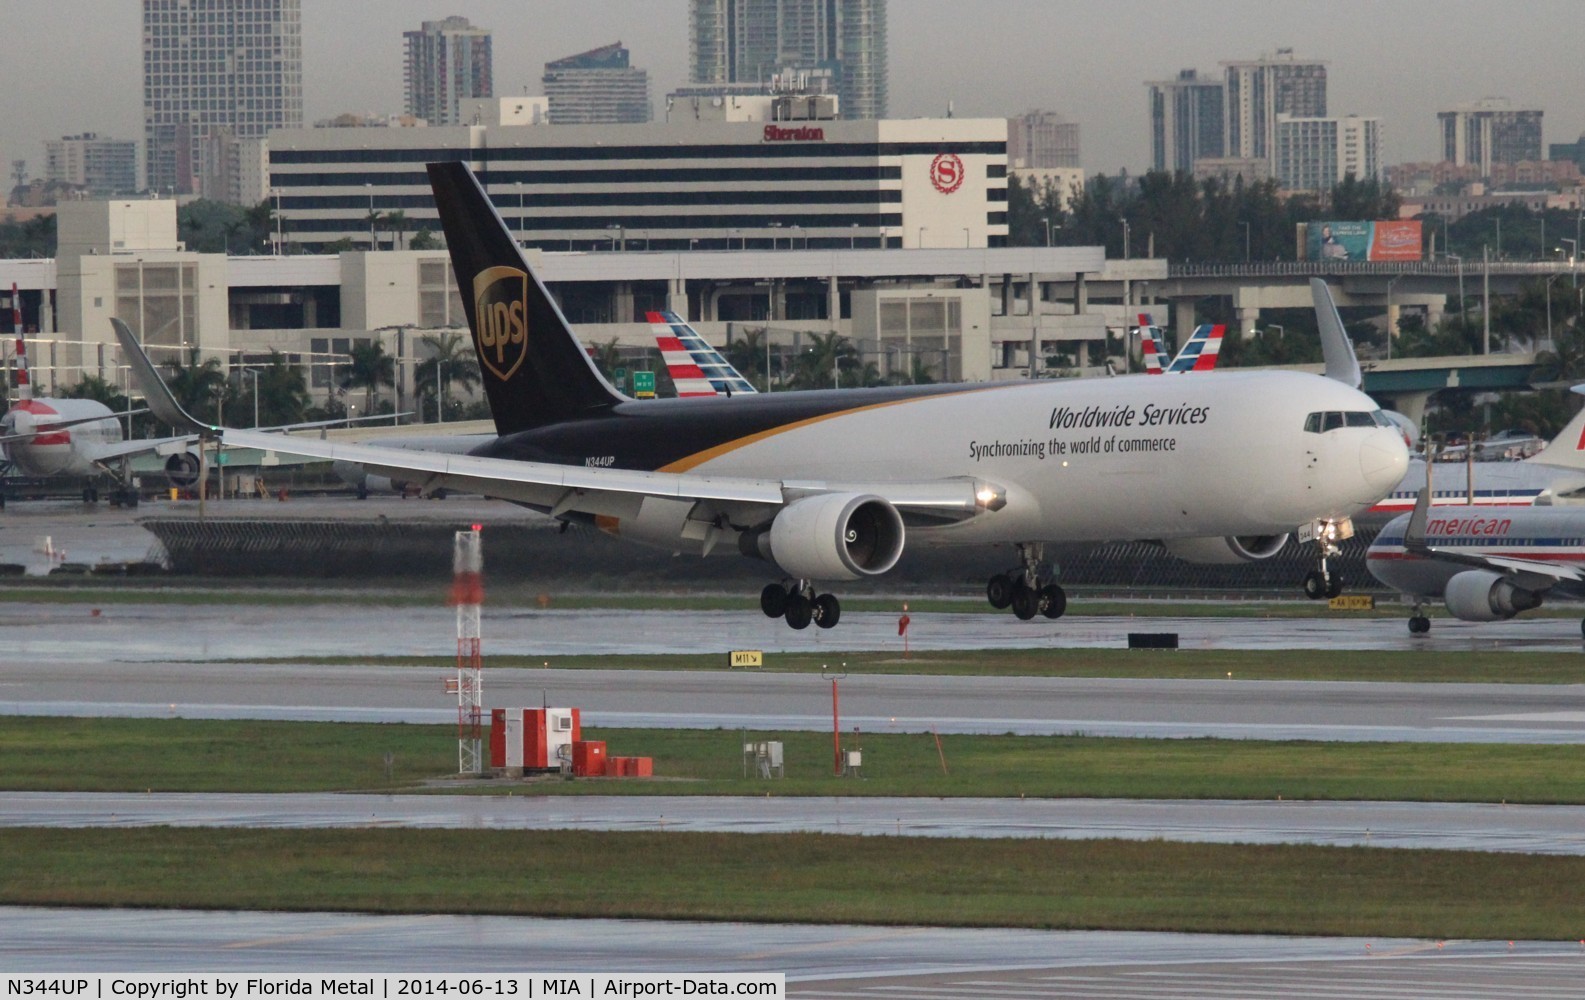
{"x": 74, "y": 66}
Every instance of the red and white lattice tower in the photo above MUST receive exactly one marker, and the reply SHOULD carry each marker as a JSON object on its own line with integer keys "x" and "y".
{"x": 467, "y": 593}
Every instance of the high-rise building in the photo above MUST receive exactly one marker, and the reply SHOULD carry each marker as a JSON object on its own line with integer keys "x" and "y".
{"x": 597, "y": 87}
{"x": 752, "y": 41}
{"x": 447, "y": 61}
{"x": 1259, "y": 90}
{"x": 1041, "y": 140}
{"x": 1187, "y": 121}
{"x": 211, "y": 64}
{"x": 1314, "y": 154}
{"x": 101, "y": 165}
{"x": 1490, "y": 131}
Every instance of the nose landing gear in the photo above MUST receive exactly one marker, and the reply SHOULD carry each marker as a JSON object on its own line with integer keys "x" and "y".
{"x": 1322, "y": 583}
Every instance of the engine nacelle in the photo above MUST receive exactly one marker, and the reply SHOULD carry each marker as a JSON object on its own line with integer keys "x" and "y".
{"x": 837, "y": 536}
{"x": 1228, "y": 550}
{"x": 181, "y": 469}
{"x": 1478, "y": 595}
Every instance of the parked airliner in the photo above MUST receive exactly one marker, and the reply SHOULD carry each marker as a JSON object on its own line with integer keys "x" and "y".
{"x": 831, "y": 485}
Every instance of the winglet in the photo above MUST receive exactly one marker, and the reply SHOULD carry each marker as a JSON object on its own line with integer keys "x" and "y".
{"x": 1414, "y": 531}
{"x": 1341, "y": 364}
{"x": 158, "y": 395}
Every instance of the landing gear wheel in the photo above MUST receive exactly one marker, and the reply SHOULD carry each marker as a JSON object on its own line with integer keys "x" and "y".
{"x": 999, "y": 591}
{"x": 1053, "y": 602}
{"x": 1420, "y": 625}
{"x": 773, "y": 600}
{"x": 1334, "y": 584}
{"x": 827, "y": 610}
{"x": 1315, "y": 585}
{"x": 800, "y": 611}
{"x": 1026, "y": 602}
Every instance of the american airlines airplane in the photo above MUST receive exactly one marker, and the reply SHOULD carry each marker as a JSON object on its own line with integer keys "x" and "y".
{"x": 82, "y": 438}
{"x": 1486, "y": 563}
{"x": 831, "y": 485}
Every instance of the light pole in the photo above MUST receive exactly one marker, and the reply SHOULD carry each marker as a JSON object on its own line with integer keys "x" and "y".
{"x": 1462, "y": 325}
{"x": 369, "y": 187}
{"x": 965, "y": 236}
{"x": 1275, "y": 326}
{"x": 519, "y": 211}
{"x": 1048, "y": 231}
{"x": 922, "y": 237}
{"x": 775, "y": 228}
{"x": 1125, "y": 236}
{"x": 1573, "y": 257}
{"x": 619, "y": 241}
{"x": 853, "y": 235}
{"x": 1549, "y": 343}
{"x": 1392, "y": 328}
{"x": 1246, "y": 241}
{"x": 440, "y": 393}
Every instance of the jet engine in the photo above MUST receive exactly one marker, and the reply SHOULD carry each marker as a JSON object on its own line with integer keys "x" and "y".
{"x": 1226, "y": 551}
{"x": 1478, "y": 595}
{"x": 835, "y": 536}
{"x": 181, "y": 469}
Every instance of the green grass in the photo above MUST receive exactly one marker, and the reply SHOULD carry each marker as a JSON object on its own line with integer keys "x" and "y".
{"x": 807, "y": 878}
{"x": 38, "y": 754}
{"x": 1407, "y": 666}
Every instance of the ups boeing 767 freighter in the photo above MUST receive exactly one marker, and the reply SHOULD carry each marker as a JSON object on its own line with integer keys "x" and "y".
{"x": 832, "y": 485}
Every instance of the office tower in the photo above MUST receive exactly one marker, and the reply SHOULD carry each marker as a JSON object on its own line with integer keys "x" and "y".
{"x": 1187, "y": 121}
{"x": 1259, "y": 90}
{"x": 1314, "y": 154}
{"x": 597, "y": 87}
{"x": 211, "y": 64}
{"x": 1042, "y": 140}
{"x": 1490, "y": 131}
{"x": 447, "y": 61}
{"x": 751, "y": 41}
{"x": 101, "y": 165}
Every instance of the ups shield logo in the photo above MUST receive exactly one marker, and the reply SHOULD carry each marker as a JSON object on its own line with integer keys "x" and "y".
{"x": 500, "y": 302}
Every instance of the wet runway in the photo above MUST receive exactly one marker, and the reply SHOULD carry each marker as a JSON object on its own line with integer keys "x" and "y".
{"x": 837, "y": 961}
{"x": 767, "y": 701}
{"x": 1423, "y": 825}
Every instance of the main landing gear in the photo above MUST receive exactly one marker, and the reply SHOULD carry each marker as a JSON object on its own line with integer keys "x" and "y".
{"x": 800, "y": 605}
{"x": 1031, "y": 589}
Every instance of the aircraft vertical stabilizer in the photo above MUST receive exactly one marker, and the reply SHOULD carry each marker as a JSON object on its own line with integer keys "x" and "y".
{"x": 534, "y": 370}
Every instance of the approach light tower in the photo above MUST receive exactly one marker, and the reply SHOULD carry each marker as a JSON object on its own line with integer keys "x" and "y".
{"x": 467, "y": 593}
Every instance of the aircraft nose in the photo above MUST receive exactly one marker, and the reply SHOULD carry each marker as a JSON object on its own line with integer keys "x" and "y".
{"x": 1383, "y": 460}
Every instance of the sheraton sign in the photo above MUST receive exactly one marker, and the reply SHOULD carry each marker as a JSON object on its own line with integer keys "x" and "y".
{"x": 803, "y": 133}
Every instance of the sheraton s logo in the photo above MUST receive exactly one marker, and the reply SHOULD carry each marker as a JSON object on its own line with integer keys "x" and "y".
{"x": 946, "y": 173}
{"x": 500, "y": 302}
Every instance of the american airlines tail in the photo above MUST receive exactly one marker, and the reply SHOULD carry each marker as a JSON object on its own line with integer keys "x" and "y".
{"x": 1150, "y": 352}
{"x": 1567, "y": 450}
{"x": 1200, "y": 351}
{"x": 696, "y": 368}
{"x": 535, "y": 372}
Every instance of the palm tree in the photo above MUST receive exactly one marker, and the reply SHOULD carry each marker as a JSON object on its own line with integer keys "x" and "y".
{"x": 396, "y": 224}
{"x": 821, "y": 364}
{"x": 747, "y": 355}
{"x": 282, "y": 392}
{"x": 450, "y": 362}
{"x": 370, "y": 367}
{"x": 198, "y": 384}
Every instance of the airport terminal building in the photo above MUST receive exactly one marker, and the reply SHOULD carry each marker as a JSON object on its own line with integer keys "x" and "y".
{"x": 892, "y": 233}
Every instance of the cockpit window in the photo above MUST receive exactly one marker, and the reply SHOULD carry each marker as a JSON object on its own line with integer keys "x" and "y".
{"x": 1331, "y": 420}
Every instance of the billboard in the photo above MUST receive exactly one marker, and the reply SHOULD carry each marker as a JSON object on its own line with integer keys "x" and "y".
{"x": 1386, "y": 241}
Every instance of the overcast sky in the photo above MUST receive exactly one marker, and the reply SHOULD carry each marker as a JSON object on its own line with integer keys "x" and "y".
{"x": 72, "y": 66}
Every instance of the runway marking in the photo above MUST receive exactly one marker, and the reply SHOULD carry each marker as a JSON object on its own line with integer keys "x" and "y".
{"x": 381, "y": 925}
{"x": 1576, "y": 717}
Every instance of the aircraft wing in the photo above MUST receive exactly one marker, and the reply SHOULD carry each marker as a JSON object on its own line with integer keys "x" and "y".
{"x": 561, "y": 488}
{"x": 610, "y": 492}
